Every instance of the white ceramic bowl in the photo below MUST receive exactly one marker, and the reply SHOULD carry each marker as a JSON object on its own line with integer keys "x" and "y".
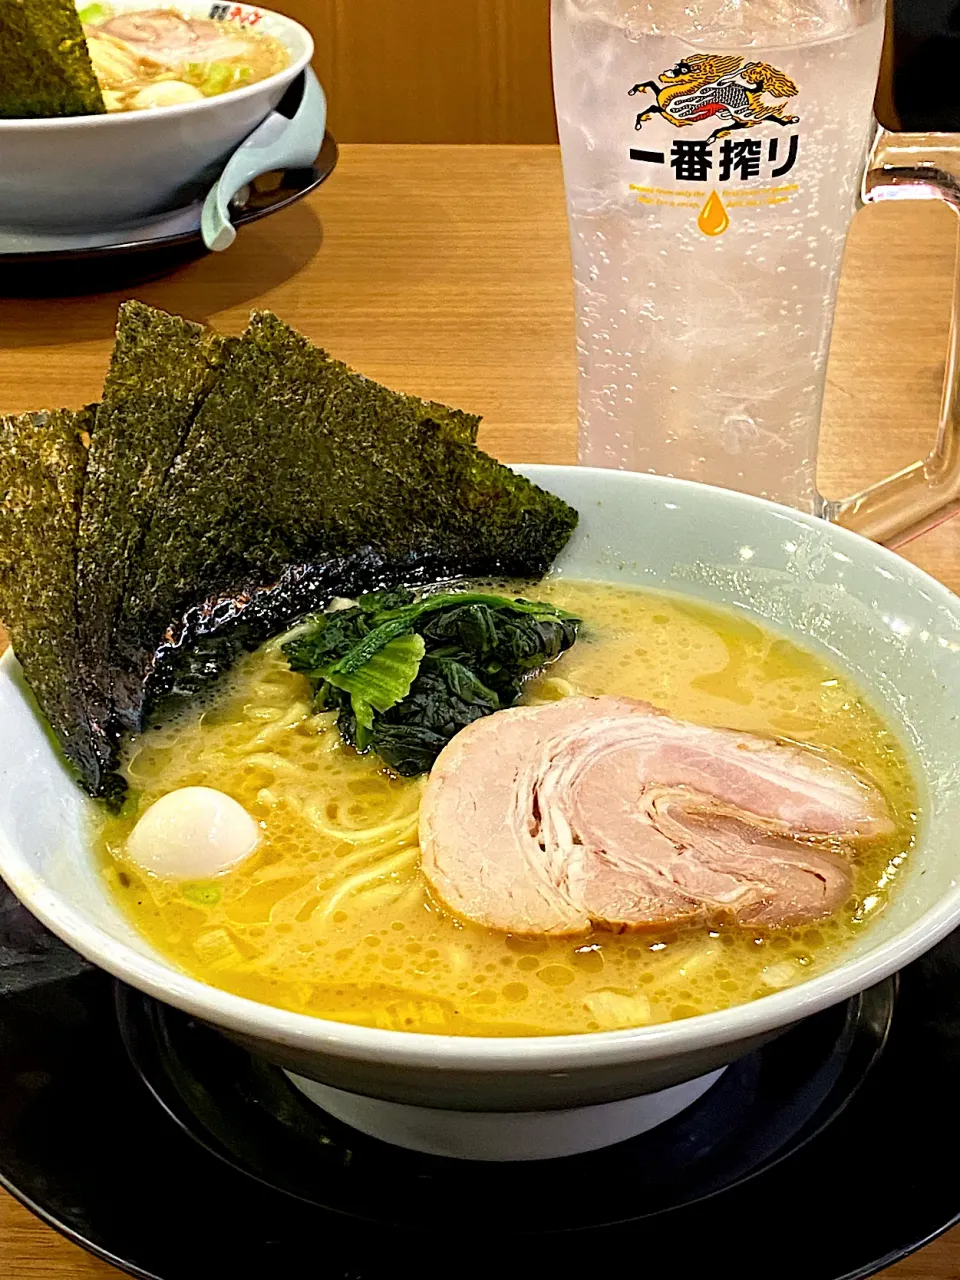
{"x": 84, "y": 173}
{"x": 893, "y": 628}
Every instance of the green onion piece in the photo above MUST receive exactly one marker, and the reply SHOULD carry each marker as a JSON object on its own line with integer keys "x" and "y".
{"x": 218, "y": 79}
{"x": 202, "y": 895}
{"x": 96, "y": 13}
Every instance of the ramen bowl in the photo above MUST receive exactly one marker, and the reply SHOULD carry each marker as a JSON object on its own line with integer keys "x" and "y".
{"x": 88, "y": 173}
{"x": 892, "y": 628}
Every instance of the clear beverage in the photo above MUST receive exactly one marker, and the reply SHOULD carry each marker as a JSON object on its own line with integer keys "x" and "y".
{"x": 705, "y": 291}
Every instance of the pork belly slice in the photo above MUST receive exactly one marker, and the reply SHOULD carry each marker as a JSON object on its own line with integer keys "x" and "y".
{"x": 606, "y": 813}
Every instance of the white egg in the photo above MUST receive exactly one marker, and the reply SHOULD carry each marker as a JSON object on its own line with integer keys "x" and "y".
{"x": 192, "y": 834}
{"x": 166, "y": 93}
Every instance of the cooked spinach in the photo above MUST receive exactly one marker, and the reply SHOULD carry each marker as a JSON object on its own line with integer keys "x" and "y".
{"x": 406, "y": 675}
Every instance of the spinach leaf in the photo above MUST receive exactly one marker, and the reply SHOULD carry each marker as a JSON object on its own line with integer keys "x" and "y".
{"x": 406, "y": 675}
{"x": 380, "y": 683}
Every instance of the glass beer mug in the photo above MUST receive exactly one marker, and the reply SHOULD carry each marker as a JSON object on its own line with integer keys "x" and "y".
{"x": 714, "y": 155}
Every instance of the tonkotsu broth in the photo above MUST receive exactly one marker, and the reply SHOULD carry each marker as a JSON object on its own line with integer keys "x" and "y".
{"x": 330, "y": 916}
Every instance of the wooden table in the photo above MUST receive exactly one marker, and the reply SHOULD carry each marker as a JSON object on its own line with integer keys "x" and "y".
{"x": 445, "y": 272}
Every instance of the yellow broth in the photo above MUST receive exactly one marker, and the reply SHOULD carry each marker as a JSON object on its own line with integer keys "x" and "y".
{"x": 161, "y": 57}
{"x": 331, "y": 917}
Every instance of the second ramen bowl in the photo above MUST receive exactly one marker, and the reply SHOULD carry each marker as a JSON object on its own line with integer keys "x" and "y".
{"x": 90, "y": 173}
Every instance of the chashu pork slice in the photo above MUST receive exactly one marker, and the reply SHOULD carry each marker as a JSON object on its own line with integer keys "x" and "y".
{"x": 604, "y": 812}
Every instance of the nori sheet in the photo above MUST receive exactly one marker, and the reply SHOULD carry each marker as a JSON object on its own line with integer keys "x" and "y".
{"x": 45, "y": 68}
{"x": 460, "y": 425}
{"x": 161, "y": 370}
{"x": 43, "y": 460}
{"x": 293, "y": 459}
{"x": 213, "y": 634}
{"x": 230, "y": 487}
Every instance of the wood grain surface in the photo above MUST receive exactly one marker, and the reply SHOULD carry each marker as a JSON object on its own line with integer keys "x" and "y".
{"x": 432, "y": 70}
{"x": 445, "y": 272}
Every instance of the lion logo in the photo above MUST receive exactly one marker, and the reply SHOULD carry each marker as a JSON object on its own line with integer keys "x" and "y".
{"x": 721, "y": 87}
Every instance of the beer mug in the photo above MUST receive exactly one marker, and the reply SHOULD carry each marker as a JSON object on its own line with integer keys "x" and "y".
{"x": 714, "y": 155}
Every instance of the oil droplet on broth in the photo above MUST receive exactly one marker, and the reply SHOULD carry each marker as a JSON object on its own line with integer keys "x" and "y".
{"x": 713, "y": 219}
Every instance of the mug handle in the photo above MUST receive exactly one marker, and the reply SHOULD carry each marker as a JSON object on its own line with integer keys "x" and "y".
{"x": 914, "y": 166}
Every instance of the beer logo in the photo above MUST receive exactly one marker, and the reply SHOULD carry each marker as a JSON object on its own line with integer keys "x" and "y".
{"x": 727, "y": 94}
{"x": 720, "y": 88}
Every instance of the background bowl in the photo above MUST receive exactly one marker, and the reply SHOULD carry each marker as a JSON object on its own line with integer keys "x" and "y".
{"x": 895, "y": 630}
{"x": 84, "y": 173}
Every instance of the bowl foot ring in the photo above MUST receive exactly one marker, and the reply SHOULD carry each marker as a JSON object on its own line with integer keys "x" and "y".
{"x": 505, "y": 1135}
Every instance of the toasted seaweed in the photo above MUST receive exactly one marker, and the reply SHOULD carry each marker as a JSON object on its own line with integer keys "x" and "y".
{"x": 231, "y": 486}
{"x": 45, "y": 69}
{"x": 461, "y": 426}
{"x": 292, "y": 460}
{"x": 161, "y": 370}
{"x": 212, "y": 635}
{"x": 43, "y": 460}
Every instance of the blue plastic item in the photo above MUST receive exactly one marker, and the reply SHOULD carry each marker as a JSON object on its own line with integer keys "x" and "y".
{"x": 280, "y": 142}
